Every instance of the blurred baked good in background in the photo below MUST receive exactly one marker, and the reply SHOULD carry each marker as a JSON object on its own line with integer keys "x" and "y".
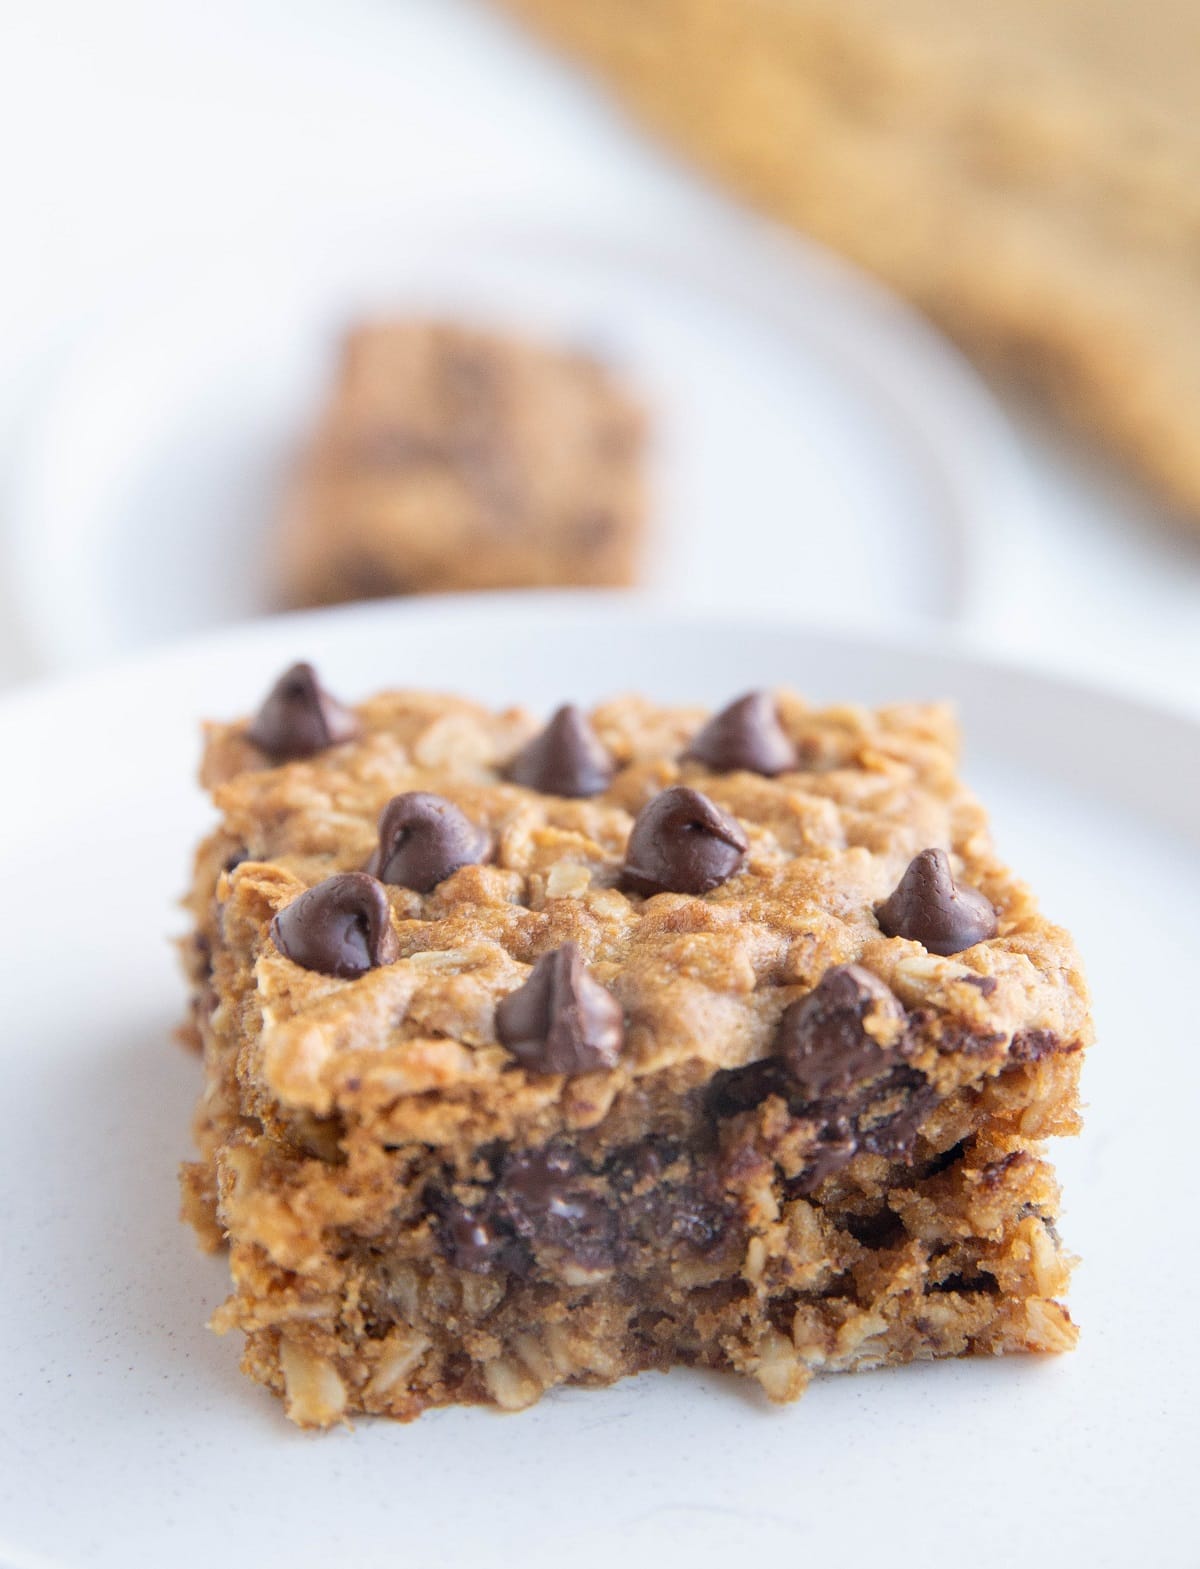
{"x": 450, "y": 458}
{"x": 1024, "y": 170}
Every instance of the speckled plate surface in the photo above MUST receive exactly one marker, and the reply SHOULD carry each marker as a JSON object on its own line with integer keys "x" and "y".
{"x": 127, "y": 1435}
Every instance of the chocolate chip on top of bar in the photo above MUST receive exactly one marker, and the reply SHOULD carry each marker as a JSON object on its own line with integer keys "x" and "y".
{"x": 546, "y": 1054}
{"x": 342, "y": 927}
{"x": 682, "y": 842}
{"x": 299, "y": 718}
{"x": 848, "y": 1028}
{"x": 566, "y": 758}
{"x": 423, "y": 839}
{"x": 561, "y": 1020}
{"x": 932, "y": 909}
{"x": 747, "y": 735}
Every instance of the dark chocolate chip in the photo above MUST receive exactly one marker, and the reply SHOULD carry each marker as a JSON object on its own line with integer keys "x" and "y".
{"x": 844, "y": 1032}
{"x": 930, "y": 908}
{"x": 747, "y": 735}
{"x": 422, "y": 839}
{"x": 471, "y": 1239}
{"x": 689, "y": 1207}
{"x": 566, "y": 758}
{"x": 894, "y": 1134}
{"x": 550, "y": 1209}
{"x": 299, "y": 718}
{"x": 681, "y": 842}
{"x": 985, "y": 983}
{"x": 1033, "y": 1045}
{"x": 733, "y": 1090}
{"x": 561, "y": 1020}
{"x": 342, "y": 927}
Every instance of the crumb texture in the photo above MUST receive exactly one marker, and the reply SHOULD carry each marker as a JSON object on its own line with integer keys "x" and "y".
{"x": 754, "y": 1158}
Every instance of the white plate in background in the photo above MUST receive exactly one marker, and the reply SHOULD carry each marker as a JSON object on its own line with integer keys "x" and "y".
{"x": 127, "y": 1436}
{"x": 819, "y": 450}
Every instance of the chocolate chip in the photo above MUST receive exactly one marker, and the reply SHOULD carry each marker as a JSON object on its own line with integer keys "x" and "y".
{"x": 908, "y": 1098}
{"x": 342, "y": 927}
{"x": 682, "y": 842}
{"x": 422, "y": 839}
{"x": 930, "y": 908}
{"x": 747, "y": 735}
{"x": 1033, "y": 1045}
{"x": 550, "y": 1209}
{"x": 734, "y": 1090}
{"x": 471, "y": 1239}
{"x": 566, "y": 758}
{"x": 561, "y": 1020}
{"x": 844, "y": 1032}
{"x": 688, "y": 1206}
{"x": 299, "y": 718}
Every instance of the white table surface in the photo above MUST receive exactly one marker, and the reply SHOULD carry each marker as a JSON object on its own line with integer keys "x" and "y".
{"x": 138, "y": 129}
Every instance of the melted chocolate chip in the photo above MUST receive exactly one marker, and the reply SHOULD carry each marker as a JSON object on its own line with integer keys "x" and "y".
{"x": 746, "y": 735}
{"x": 1033, "y": 1045}
{"x": 299, "y": 718}
{"x": 930, "y": 908}
{"x": 688, "y": 1207}
{"x": 734, "y": 1090}
{"x": 423, "y": 838}
{"x": 567, "y": 758}
{"x": 909, "y": 1098}
{"x": 550, "y": 1209}
{"x": 561, "y": 1020}
{"x": 471, "y": 1239}
{"x": 842, "y": 1033}
{"x": 682, "y": 842}
{"x": 546, "y": 1211}
{"x": 342, "y": 927}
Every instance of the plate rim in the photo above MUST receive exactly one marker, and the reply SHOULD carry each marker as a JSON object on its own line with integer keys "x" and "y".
{"x": 948, "y": 646}
{"x": 266, "y": 636}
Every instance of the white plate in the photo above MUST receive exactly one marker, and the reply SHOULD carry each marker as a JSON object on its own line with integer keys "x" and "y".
{"x": 819, "y": 449}
{"x": 127, "y": 1435}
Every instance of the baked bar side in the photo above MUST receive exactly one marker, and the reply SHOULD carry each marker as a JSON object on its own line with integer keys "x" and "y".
{"x": 382, "y": 1279}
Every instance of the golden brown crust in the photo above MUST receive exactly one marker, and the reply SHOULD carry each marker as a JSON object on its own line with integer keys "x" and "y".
{"x": 334, "y": 1108}
{"x": 1024, "y": 172}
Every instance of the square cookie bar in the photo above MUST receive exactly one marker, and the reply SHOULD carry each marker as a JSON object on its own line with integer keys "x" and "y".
{"x": 548, "y": 1054}
{"x": 449, "y": 458}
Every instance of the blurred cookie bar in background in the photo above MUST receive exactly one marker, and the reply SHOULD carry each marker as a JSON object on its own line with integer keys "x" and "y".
{"x": 450, "y": 458}
{"x": 1025, "y": 170}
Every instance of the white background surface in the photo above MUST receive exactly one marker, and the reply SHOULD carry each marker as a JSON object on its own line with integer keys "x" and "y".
{"x": 129, "y": 1439}
{"x": 141, "y": 131}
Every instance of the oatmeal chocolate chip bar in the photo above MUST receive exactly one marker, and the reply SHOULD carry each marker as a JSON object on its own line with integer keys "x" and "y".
{"x": 450, "y": 458}
{"x": 1025, "y": 171}
{"x": 543, "y": 1054}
